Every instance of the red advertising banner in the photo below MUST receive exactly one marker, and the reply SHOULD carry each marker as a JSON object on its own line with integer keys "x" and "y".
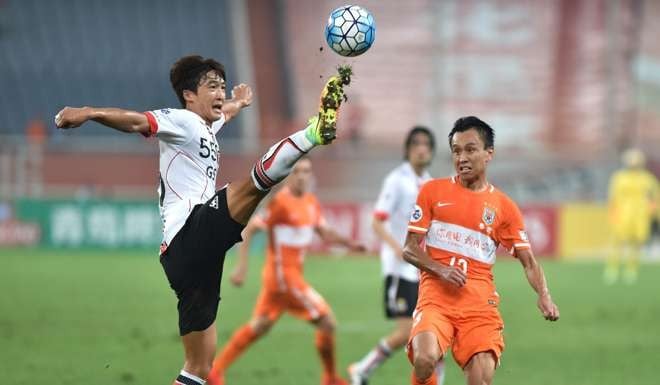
{"x": 348, "y": 219}
{"x": 15, "y": 233}
{"x": 541, "y": 223}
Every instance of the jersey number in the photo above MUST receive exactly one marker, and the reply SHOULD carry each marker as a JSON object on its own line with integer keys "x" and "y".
{"x": 207, "y": 151}
{"x": 462, "y": 263}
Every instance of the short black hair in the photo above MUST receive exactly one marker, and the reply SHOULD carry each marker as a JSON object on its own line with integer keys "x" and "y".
{"x": 411, "y": 134}
{"x": 188, "y": 71}
{"x": 467, "y": 122}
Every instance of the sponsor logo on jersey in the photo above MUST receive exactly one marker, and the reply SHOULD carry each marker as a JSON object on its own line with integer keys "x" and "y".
{"x": 523, "y": 235}
{"x": 443, "y": 204}
{"x": 461, "y": 240}
{"x": 214, "y": 202}
{"x": 165, "y": 111}
{"x": 416, "y": 214}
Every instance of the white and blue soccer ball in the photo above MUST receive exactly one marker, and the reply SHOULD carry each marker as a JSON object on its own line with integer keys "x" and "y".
{"x": 350, "y": 30}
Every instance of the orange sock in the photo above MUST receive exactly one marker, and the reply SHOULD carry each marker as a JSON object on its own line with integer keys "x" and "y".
{"x": 239, "y": 341}
{"x": 325, "y": 344}
{"x": 429, "y": 381}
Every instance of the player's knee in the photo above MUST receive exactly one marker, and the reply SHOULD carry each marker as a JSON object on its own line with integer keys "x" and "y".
{"x": 242, "y": 199}
{"x": 261, "y": 326}
{"x": 481, "y": 368}
{"x": 327, "y": 324}
{"x": 424, "y": 363}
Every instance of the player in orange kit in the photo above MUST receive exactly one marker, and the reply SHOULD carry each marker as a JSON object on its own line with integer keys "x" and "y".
{"x": 462, "y": 220}
{"x": 292, "y": 217}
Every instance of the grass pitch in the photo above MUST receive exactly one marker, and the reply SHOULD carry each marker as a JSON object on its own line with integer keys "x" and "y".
{"x": 107, "y": 318}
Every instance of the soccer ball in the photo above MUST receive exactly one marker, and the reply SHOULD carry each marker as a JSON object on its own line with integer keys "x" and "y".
{"x": 350, "y": 30}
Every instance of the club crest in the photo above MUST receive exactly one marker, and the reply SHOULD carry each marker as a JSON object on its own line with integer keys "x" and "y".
{"x": 488, "y": 217}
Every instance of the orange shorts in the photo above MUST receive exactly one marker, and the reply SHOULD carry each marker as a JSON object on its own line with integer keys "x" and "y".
{"x": 300, "y": 300}
{"x": 468, "y": 332}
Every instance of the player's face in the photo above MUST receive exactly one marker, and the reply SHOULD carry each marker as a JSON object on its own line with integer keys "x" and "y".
{"x": 419, "y": 151}
{"x": 210, "y": 95}
{"x": 470, "y": 155}
{"x": 301, "y": 176}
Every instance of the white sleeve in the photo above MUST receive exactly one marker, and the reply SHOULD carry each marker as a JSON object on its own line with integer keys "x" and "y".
{"x": 170, "y": 125}
{"x": 387, "y": 199}
{"x": 217, "y": 125}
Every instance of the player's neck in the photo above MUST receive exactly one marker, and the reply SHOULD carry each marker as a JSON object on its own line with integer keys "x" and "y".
{"x": 296, "y": 193}
{"x": 478, "y": 184}
{"x": 418, "y": 169}
{"x": 198, "y": 113}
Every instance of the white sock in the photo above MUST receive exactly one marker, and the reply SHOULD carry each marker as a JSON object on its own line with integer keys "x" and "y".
{"x": 374, "y": 359}
{"x": 186, "y": 378}
{"x": 278, "y": 161}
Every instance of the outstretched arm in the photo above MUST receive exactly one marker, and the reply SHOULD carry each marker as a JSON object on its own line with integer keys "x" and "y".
{"x": 241, "y": 97}
{"x": 329, "y": 235}
{"x": 417, "y": 257}
{"x": 121, "y": 120}
{"x": 379, "y": 228}
{"x": 536, "y": 279}
{"x": 240, "y": 271}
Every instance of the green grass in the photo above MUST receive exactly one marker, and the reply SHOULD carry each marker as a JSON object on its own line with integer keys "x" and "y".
{"x": 91, "y": 317}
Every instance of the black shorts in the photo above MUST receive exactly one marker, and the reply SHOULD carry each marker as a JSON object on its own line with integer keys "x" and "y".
{"x": 400, "y": 297}
{"x": 194, "y": 259}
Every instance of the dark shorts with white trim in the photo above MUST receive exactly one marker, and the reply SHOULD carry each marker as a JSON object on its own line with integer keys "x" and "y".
{"x": 194, "y": 260}
{"x": 400, "y": 297}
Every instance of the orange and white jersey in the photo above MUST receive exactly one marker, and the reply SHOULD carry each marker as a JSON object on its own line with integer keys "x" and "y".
{"x": 463, "y": 228}
{"x": 291, "y": 222}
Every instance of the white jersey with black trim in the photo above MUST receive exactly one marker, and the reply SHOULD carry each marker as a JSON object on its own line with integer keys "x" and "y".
{"x": 188, "y": 164}
{"x": 395, "y": 203}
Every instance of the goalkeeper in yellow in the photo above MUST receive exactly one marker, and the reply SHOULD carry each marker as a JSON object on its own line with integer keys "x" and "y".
{"x": 633, "y": 198}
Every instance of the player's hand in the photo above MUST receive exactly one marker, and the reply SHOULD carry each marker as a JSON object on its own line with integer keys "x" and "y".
{"x": 243, "y": 94}
{"x": 453, "y": 275}
{"x": 71, "y": 117}
{"x": 358, "y": 247}
{"x": 237, "y": 278}
{"x": 548, "y": 308}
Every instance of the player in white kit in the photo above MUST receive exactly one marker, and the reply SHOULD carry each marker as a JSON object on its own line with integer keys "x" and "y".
{"x": 199, "y": 223}
{"x": 391, "y": 215}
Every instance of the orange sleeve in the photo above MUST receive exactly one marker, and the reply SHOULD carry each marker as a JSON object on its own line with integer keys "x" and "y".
{"x": 420, "y": 217}
{"x": 512, "y": 234}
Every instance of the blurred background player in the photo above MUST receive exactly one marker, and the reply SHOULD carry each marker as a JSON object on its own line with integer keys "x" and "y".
{"x": 390, "y": 223}
{"x": 633, "y": 199}
{"x": 86, "y": 212}
{"x": 291, "y": 218}
{"x": 462, "y": 220}
{"x": 199, "y": 223}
